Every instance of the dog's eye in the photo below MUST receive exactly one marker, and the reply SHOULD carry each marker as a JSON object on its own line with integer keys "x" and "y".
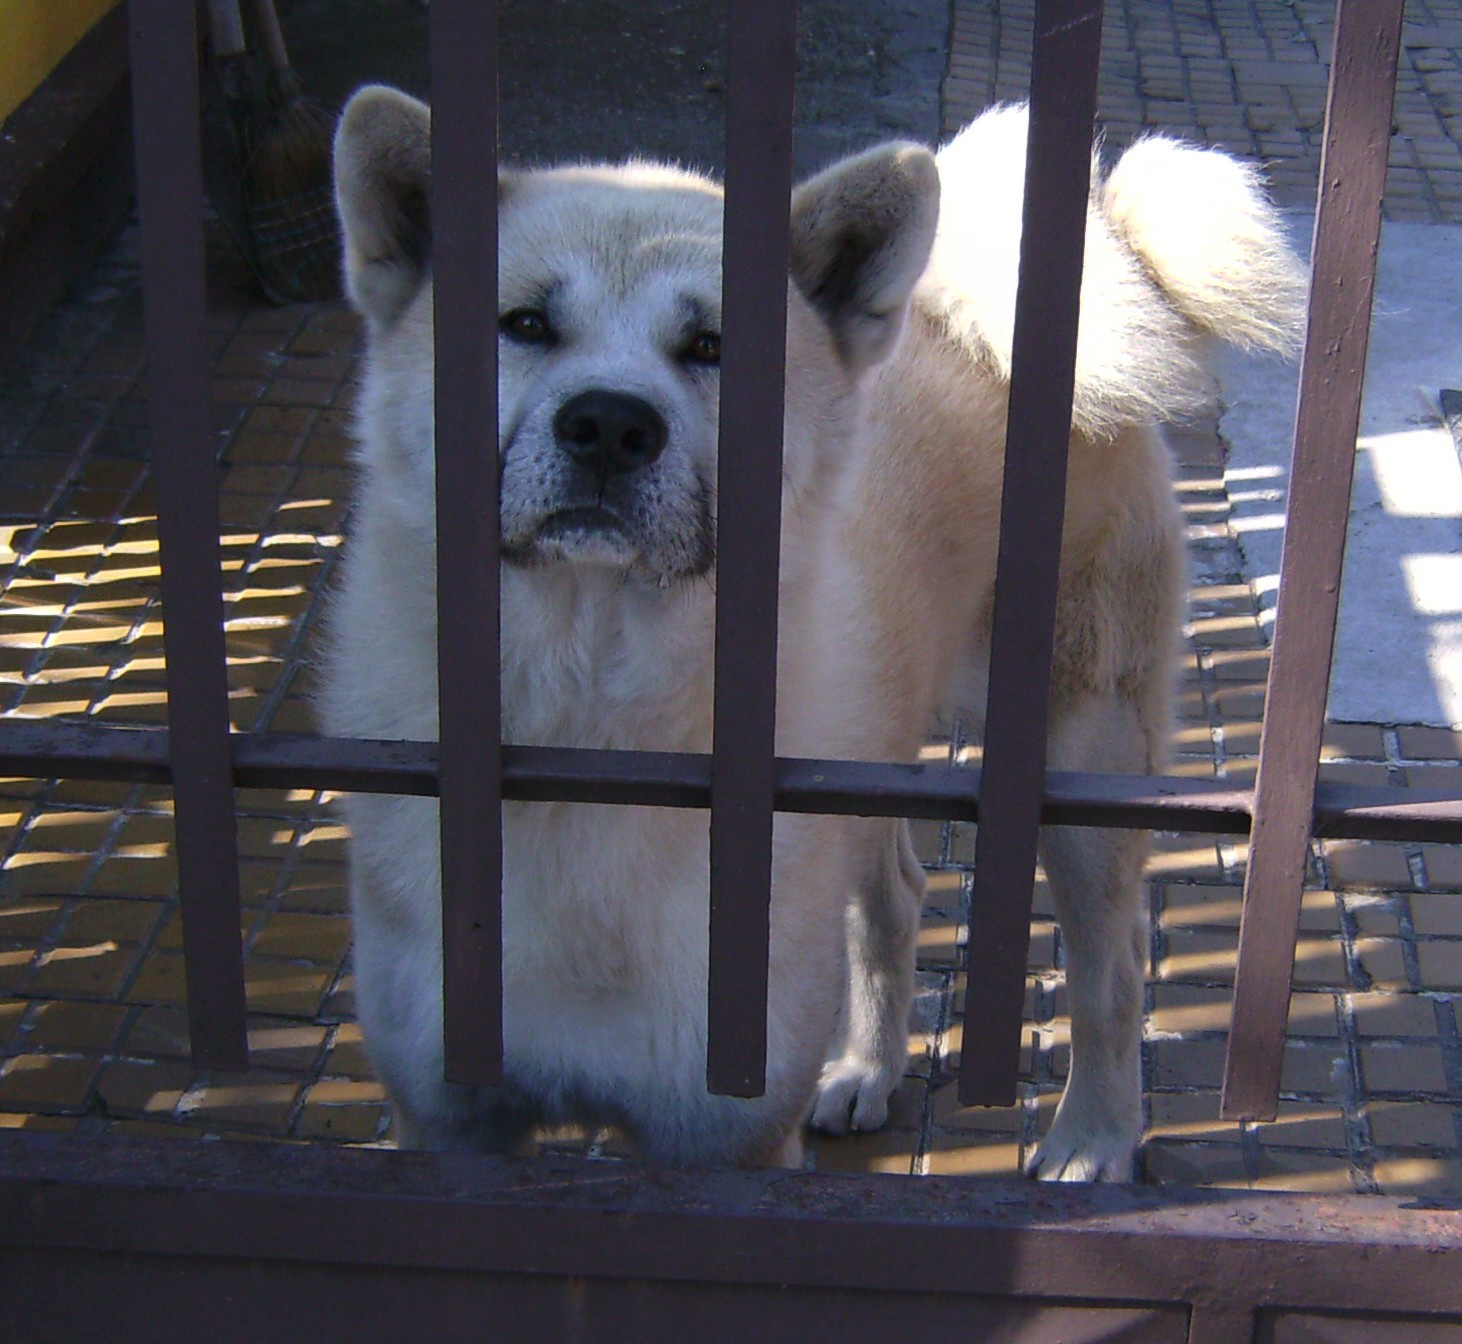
{"x": 528, "y": 326}
{"x": 704, "y": 348}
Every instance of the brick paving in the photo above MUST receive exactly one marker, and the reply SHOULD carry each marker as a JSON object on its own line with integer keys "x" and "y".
{"x": 92, "y": 1033}
{"x": 92, "y": 1028}
{"x": 1248, "y": 77}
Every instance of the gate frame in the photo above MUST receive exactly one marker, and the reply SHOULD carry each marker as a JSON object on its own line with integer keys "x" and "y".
{"x": 529, "y": 1243}
{"x": 558, "y": 1242}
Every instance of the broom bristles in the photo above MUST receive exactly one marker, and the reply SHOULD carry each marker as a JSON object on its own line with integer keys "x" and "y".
{"x": 289, "y": 197}
{"x": 290, "y": 148}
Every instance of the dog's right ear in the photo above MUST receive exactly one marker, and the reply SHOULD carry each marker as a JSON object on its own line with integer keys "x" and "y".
{"x": 861, "y": 234}
{"x": 383, "y": 193}
{"x": 382, "y": 189}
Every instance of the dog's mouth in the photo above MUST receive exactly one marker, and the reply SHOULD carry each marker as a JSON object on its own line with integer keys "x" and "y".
{"x": 652, "y": 534}
{"x": 586, "y": 534}
{"x": 582, "y": 518}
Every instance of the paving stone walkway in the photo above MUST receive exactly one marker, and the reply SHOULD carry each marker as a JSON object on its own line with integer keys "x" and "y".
{"x": 92, "y": 1035}
{"x": 1248, "y": 77}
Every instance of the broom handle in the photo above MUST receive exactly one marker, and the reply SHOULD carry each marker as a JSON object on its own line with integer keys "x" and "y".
{"x": 226, "y": 27}
{"x": 268, "y": 18}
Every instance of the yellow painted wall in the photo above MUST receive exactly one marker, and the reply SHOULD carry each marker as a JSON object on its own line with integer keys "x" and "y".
{"x": 34, "y": 36}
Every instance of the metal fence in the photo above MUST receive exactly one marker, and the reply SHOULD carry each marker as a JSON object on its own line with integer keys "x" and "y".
{"x": 162, "y": 1234}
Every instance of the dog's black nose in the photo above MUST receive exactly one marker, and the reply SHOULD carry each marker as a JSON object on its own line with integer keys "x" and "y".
{"x": 610, "y": 432}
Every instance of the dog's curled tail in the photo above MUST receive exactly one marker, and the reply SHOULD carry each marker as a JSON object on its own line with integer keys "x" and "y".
{"x": 1204, "y": 229}
{"x": 1181, "y": 244}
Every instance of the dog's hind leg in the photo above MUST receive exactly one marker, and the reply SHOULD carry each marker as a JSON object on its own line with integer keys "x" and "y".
{"x": 1096, "y": 879}
{"x": 882, "y": 926}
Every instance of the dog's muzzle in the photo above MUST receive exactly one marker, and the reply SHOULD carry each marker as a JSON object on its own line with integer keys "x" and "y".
{"x": 598, "y": 480}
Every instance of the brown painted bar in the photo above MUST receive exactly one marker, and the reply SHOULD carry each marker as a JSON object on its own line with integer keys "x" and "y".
{"x": 1064, "y": 58}
{"x": 464, "y": 262}
{"x": 185, "y": 468}
{"x": 762, "y": 61}
{"x": 1347, "y": 233}
{"x": 299, "y": 1241}
{"x": 48, "y": 749}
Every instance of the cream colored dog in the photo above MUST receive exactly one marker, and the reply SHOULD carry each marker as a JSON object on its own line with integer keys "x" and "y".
{"x": 899, "y": 328}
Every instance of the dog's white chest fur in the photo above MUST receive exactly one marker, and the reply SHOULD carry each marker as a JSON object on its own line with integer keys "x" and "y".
{"x": 590, "y": 660}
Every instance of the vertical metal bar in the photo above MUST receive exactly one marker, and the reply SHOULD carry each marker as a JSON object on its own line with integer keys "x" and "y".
{"x": 762, "y": 52}
{"x": 1222, "y": 1322}
{"x": 1064, "y": 59}
{"x": 1347, "y": 235}
{"x": 164, "y": 44}
{"x": 465, "y": 261}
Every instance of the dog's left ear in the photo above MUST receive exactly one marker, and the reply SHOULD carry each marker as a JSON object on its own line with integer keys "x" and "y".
{"x": 861, "y": 234}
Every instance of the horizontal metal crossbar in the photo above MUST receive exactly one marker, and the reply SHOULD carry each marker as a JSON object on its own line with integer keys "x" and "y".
{"x": 46, "y": 748}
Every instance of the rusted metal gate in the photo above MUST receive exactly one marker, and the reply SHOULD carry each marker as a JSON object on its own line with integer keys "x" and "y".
{"x": 139, "y": 1240}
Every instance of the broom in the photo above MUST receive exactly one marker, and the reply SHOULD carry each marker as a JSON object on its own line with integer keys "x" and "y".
{"x": 288, "y": 195}
{"x": 225, "y": 122}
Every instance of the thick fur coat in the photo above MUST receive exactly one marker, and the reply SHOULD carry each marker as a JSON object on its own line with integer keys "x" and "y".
{"x": 899, "y": 329}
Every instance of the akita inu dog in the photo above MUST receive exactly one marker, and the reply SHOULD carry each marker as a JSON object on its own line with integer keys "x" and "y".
{"x": 899, "y": 327}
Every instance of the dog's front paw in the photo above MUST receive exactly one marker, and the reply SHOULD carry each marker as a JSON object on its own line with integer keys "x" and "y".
{"x": 1075, "y": 1152}
{"x": 852, "y": 1095}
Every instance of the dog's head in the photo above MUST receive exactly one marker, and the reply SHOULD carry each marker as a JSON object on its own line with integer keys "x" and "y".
{"x": 609, "y": 317}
